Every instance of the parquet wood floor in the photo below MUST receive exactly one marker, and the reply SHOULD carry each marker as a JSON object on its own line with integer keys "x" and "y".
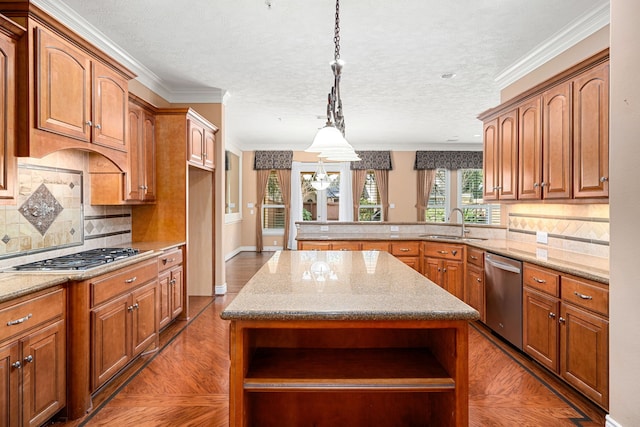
{"x": 186, "y": 382}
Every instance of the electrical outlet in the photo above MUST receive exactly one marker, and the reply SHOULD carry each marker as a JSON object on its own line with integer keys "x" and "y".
{"x": 275, "y": 242}
{"x": 394, "y": 228}
{"x": 542, "y": 237}
{"x": 324, "y": 228}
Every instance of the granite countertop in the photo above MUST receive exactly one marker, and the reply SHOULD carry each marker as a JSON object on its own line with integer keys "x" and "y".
{"x": 343, "y": 285}
{"x": 581, "y": 265}
{"x": 16, "y": 284}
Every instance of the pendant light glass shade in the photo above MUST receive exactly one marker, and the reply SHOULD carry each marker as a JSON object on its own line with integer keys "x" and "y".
{"x": 329, "y": 137}
{"x": 340, "y": 155}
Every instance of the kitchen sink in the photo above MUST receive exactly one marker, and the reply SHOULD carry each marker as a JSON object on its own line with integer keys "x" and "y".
{"x": 447, "y": 237}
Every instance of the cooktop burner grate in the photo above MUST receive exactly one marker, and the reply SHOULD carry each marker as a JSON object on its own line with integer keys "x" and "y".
{"x": 79, "y": 261}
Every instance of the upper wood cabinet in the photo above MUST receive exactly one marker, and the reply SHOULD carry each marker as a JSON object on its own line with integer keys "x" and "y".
{"x": 501, "y": 157}
{"x": 141, "y": 175}
{"x": 9, "y": 33}
{"x": 201, "y": 144}
{"x": 558, "y": 132}
{"x": 591, "y": 133}
{"x": 70, "y": 94}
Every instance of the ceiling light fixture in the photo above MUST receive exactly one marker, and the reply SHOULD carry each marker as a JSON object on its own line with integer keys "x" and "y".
{"x": 330, "y": 142}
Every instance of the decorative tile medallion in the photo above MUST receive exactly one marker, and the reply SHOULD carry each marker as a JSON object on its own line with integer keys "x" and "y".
{"x": 41, "y": 209}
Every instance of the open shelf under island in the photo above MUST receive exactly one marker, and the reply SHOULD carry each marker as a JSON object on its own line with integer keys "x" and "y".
{"x": 346, "y": 338}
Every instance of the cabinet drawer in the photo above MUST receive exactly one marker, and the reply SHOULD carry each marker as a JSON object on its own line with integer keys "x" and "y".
{"x": 375, "y": 246}
{"x": 440, "y": 250}
{"x": 27, "y": 314}
{"x": 475, "y": 257}
{"x": 586, "y": 295}
{"x": 314, "y": 246}
{"x": 345, "y": 246}
{"x": 542, "y": 279}
{"x": 405, "y": 248}
{"x": 108, "y": 286}
{"x": 170, "y": 259}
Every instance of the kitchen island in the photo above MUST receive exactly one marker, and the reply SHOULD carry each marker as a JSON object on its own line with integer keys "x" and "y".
{"x": 346, "y": 338}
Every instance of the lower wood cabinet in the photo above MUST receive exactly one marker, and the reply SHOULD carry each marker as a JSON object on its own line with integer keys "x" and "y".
{"x": 171, "y": 283}
{"x": 566, "y": 329}
{"x": 474, "y": 288}
{"x": 443, "y": 264}
{"x": 407, "y": 252}
{"x": 32, "y": 358}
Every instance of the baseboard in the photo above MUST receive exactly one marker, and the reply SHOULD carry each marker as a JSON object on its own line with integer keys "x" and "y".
{"x": 610, "y": 422}
{"x": 221, "y": 289}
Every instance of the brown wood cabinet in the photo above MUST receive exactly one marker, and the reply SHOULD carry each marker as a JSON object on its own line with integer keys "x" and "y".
{"x": 407, "y": 252}
{"x": 70, "y": 94}
{"x": 123, "y": 319}
{"x": 140, "y": 178}
{"x": 591, "y": 133}
{"x": 501, "y": 157}
{"x": 32, "y": 358}
{"x": 9, "y": 33}
{"x": 443, "y": 264}
{"x": 201, "y": 143}
{"x": 474, "y": 284}
{"x": 565, "y": 328}
{"x": 556, "y": 142}
{"x": 171, "y": 283}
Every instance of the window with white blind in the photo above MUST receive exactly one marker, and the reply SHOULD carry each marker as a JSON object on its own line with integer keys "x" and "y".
{"x": 438, "y": 198}
{"x": 470, "y": 199}
{"x": 272, "y": 206}
{"x": 370, "y": 206}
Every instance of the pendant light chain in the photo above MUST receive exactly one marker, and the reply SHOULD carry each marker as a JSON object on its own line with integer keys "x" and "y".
{"x": 336, "y": 36}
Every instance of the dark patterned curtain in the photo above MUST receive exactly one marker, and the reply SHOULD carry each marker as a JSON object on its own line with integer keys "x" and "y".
{"x": 373, "y": 160}
{"x": 273, "y": 160}
{"x": 448, "y": 160}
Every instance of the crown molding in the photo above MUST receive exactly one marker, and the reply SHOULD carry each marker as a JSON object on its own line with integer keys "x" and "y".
{"x": 148, "y": 78}
{"x": 570, "y": 35}
{"x": 456, "y": 146}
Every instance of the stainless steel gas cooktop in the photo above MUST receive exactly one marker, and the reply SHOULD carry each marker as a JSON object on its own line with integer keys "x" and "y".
{"x": 79, "y": 261}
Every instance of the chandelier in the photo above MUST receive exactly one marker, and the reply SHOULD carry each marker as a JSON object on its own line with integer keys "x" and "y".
{"x": 329, "y": 142}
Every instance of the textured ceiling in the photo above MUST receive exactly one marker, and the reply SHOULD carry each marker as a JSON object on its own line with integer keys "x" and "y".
{"x": 273, "y": 62}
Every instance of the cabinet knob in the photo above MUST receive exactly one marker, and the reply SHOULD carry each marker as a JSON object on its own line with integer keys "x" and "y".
{"x": 536, "y": 185}
{"x": 444, "y": 270}
{"x": 16, "y": 365}
{"x": 552, "y": 315}
{"x": 130, "y": 308}
{"x": 479, "y": 280}
{"x": 88, "y": 123}
{"x": 561, "y": 320}
{"x": 454, "y": 252}
{"x": 544, "y": 184}
{"x": 28, "y": 359}
{"x": 98, "y": 126}
{"x": 604, "y": 179}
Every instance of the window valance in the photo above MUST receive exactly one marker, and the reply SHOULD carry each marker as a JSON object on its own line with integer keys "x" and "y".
{"x": 448, "y": 160}
{"x": 273, "y": 159}
{"x": 373, "y": 160}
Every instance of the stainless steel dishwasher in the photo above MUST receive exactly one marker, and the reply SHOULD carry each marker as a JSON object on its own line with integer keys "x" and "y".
{"x": 503, "y": 297}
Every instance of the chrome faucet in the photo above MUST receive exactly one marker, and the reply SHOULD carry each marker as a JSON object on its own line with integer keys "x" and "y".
{"x": 463, "y": 231}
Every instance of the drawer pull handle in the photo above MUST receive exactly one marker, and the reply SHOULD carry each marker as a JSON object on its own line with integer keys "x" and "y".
{"x": 443, "y": 252}
{"x": 473, "y": 257}
{"x": 404, "y": 250}
{"x": 539, "y": 280}
{"x": 20, "y": 320}
{"x": 166, "y": 260}
{"x": 133, "y": 279}
{"x": 28, "y": 359}
{"x": 578, "y": 294}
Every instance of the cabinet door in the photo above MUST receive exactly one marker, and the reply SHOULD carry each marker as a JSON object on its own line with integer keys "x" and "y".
{"x": 195, "y": 143}
{"x": 135, "y": 174}
{"x": 44, "y": 374}
{"x": 453, "y": 277}
{"x": 584, "y": 340}
{"x": 177, "y": 291}
{"x": 540, "y": 328}
{"x": 164, "y": 298}
{"x": 111, "y": 341}
{"x": 7, "y": 118}
{"x": 9, "y": 385}
{"x": 530, "y": 150}
{"x": 63, "y": 79}
{"x": 433, "y": 270}
{"x": 556, "y": 142}
{"x": 411, "y": 261}
{"x": 110, "y": 104}
{"x": 591, "y": 133}
{"x": 508, "y": 155}
{"x": 490, "y": 163}
{"x": 209, "y": 149}
{"x": 474, "y": 289}
{"x": 148, "y": 139}
{"x": 144, "y": 319}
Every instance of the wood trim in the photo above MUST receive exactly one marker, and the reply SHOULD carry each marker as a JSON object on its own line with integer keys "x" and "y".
{"x": 566, "y": 75}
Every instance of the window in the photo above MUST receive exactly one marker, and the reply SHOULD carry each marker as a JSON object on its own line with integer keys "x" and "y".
{"x": 320, "y": 205}
{"x": 272, "y": 206}
{"x": 370, "y": 206}
{"x": 470, "y": 199}
{"x": 437, "y": 206}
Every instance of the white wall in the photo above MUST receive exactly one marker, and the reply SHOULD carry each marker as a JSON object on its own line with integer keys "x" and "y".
{"x": 624, "y": 150}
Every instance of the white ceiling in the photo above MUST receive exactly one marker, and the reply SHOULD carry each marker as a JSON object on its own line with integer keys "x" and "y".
{"x": 270, "y": 65}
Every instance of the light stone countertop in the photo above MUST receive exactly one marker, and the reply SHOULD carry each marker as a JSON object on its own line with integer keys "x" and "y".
{"x": 16, "y": 284}
{"x": 581, "y": 265}
{"x": 343, "y": 285}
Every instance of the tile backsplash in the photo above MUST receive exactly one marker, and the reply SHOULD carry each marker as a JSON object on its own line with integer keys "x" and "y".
{"x": 52, "y": 216}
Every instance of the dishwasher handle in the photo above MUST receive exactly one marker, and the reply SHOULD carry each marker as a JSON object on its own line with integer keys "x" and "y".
{"x": 502, "y": 266}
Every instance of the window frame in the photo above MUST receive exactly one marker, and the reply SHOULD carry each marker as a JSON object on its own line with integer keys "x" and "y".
{"x": 489, "y": 207}
{"x": 268, "y": 231}
{"x": 447, "y": 198}
{"x": 371, "y": 173}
